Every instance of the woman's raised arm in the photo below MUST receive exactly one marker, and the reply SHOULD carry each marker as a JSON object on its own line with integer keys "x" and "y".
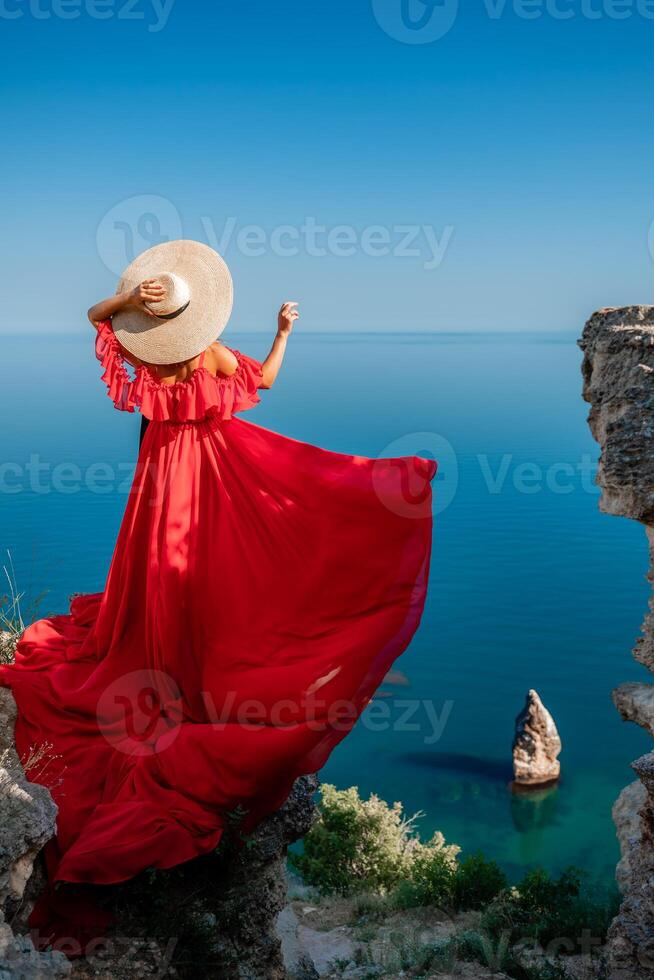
{"x": 272, "y": 364}
{"x": 149, "y": 291}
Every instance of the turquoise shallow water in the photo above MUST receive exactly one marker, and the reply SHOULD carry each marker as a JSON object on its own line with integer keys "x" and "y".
{"x": 531, "y": 586}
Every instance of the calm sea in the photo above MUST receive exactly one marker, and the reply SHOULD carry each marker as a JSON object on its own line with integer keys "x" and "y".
{"x": 531, "y": 586}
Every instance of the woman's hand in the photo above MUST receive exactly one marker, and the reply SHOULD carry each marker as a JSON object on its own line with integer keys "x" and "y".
{"x": 286, "y": 318}
{"x": 149, "y": 291}
{"x": 270, "y": 367}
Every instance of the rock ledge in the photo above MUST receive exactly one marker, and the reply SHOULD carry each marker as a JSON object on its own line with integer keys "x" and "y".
{"x": 618, "y": 373}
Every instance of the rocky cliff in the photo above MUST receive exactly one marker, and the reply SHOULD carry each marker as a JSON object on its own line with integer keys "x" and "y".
{"x": 618, "y": 373}
{"x": 27, "y": 821}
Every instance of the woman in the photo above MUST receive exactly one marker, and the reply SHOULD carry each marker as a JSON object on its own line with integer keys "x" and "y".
{"x": 259, "y": 591}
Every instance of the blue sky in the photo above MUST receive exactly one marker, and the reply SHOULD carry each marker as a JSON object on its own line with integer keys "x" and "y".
{"x": 511, "y": 158}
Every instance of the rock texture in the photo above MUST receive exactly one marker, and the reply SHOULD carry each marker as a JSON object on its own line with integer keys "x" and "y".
{"x": 20, "y": 961}
{"x": 536, "y": 745}
{"x": 7, "y": 646}
{"x": 252, "y": 895}
{"x": 27, "y": 821}
{"x": 618, "y": 372}
{"x": 626, "y": 817}
{"x": 635, "y": 702}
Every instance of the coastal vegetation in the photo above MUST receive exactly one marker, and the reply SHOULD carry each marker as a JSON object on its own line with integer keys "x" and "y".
{"x": 371, "y": 853}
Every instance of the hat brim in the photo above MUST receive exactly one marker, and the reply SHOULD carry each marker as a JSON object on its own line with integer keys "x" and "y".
{"x": 158, "y": 341}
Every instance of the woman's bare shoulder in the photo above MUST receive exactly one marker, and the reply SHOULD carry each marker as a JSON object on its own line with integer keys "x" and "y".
{"x": 220, "y": 360}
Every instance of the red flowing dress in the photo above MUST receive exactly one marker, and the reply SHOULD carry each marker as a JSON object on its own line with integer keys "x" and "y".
{"x": 259, "y": 591}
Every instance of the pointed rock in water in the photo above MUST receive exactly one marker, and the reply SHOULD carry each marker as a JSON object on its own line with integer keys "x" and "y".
{"x": 536, "y": 745}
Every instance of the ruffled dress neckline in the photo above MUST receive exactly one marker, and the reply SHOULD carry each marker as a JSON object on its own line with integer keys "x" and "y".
{"x": 200, "y": 396}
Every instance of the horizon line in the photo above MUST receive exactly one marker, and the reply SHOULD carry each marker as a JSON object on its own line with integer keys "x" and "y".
{"x": 308, "y": 334}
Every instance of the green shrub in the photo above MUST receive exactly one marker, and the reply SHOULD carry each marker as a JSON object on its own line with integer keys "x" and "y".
{"x": 430, "y": 879}
{"x": 495, "y": 953}
{"x": 370, "y": 908}
{"x": 368, "y": 846}
{"x": 363, "y": 845}
{"x": 476, "y": 947}
{"x": 371, "y": 848}
{"x": 557, "y": 913}
{"x": 477, "y": 882}
{"x": 409, "y": 954}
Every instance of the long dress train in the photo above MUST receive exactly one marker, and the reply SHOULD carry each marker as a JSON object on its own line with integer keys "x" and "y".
{"x": 259, "y": 591}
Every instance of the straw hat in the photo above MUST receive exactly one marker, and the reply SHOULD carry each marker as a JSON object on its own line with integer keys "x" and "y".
{"x": 193, "y": 312}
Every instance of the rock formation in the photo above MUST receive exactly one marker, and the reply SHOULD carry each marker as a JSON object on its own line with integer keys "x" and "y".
{"x": 27, "y": 821}
{"x": 618, "y": 372}
{"x": 536, "y": 745}
{"x": 250, "y": 941}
